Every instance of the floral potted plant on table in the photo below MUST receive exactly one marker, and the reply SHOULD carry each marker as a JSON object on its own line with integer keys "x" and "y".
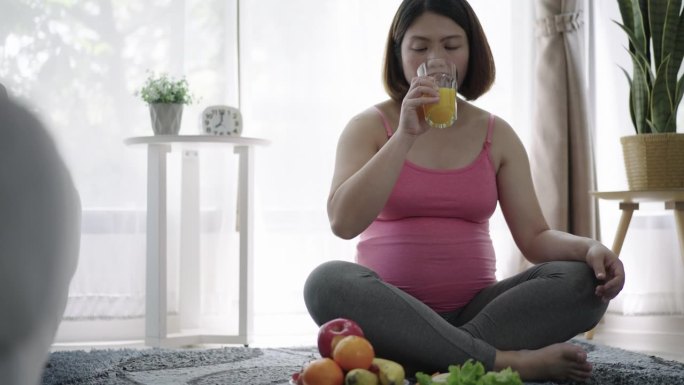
{"x": 166, "y": 97}
{"x": 654, "y": 157}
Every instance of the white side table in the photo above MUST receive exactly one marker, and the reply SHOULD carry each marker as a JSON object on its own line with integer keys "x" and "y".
{"x": 156, "y": 332}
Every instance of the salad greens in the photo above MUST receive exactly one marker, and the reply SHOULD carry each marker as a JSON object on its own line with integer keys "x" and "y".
{"x": 473, "y": 373}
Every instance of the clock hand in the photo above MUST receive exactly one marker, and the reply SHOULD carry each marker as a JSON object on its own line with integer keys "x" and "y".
{"x": 220, "y": 122}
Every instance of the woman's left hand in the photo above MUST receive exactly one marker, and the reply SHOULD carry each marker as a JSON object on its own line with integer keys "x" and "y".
{"x": 608, "y": 269}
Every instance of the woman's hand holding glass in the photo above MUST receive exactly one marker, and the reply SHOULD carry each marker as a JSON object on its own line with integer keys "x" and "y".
{"x": 443, "y": 113}
{"x": 422, "y": 91}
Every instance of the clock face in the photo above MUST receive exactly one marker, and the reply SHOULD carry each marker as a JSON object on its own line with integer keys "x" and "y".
{"x": 221, "y": 120}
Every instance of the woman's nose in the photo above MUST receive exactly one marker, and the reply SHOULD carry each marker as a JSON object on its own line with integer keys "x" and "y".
{"x": 437, "y": 53}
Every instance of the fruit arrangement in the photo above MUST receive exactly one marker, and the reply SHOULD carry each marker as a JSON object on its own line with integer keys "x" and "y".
{"x": 347, "y": 358}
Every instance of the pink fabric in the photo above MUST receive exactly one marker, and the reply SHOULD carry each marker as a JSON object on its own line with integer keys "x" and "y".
{"x": 432, "y": 237}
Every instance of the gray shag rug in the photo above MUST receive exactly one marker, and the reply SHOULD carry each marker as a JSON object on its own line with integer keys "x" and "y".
{"x": 254, "y": 366}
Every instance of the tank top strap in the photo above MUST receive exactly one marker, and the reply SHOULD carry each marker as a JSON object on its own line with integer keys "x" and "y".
{"x": 490, "y": 129}
{"x": 385, "y": 121}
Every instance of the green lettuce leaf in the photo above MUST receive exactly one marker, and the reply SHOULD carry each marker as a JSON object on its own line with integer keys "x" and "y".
{"x": 424, "y": 379}
{"x": 504, "y": 377}
{"x": 473, "y": 373}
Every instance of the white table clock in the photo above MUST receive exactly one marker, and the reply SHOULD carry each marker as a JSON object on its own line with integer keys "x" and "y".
{"x": 221, "y": 120}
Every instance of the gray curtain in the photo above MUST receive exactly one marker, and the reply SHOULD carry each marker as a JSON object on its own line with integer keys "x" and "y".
{"x": 561, "y": 152}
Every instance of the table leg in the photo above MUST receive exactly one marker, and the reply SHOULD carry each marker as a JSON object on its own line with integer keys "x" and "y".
{"x": 678, "y": 208}
{"x": 155, "y": 289}
{"x": 189, "y": 285}
{"x": 245, "y": 214}
{"x": 626, "y": 217}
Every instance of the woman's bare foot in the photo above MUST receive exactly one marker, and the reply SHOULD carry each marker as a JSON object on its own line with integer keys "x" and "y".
{"x": 555, "y": 362}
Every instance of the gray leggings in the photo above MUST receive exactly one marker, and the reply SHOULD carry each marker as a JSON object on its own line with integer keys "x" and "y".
{"x": 547, "y": 304}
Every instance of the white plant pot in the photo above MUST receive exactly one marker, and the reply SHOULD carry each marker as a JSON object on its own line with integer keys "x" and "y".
{"x": 166, "y": 118}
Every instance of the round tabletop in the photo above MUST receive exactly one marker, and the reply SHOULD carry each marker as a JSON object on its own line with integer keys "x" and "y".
{"x": 642, "y": 195}
{"x": 197, "y": 139}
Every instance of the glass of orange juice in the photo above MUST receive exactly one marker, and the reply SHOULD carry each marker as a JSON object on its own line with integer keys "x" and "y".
{"x": 443, "y": 113}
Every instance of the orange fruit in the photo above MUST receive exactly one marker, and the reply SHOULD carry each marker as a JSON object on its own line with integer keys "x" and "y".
{"x": 353, "y": 352}
{"x": 322, "y": 371}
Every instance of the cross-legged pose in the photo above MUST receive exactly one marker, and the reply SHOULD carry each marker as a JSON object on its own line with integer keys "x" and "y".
{"x": 423, "y": 287}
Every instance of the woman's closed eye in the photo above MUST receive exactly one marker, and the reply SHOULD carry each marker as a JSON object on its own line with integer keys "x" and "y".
{"x": 447, "y": 47}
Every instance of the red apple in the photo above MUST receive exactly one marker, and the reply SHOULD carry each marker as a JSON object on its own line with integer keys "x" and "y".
{"x": 297, "y": 378}
{"x": 333, "y": 331}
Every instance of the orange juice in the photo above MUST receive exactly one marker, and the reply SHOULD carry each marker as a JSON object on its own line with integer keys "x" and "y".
{"x": 443, "y": 113}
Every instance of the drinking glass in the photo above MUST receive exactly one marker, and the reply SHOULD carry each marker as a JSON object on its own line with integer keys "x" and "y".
{"x": 443, "y": 113}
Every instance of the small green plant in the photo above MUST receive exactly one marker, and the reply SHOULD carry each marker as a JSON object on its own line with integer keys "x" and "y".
{"x": 165, "y": 89}
{"x": 655, "y": 92}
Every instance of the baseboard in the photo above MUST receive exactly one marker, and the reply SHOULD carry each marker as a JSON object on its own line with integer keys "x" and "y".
{"x": 272, "y": 330}
{"x": 655, "y": 335}
{"x": 89, "y": 331}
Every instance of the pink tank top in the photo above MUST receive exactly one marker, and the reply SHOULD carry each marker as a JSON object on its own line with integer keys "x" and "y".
{"x": 432, "y": 237}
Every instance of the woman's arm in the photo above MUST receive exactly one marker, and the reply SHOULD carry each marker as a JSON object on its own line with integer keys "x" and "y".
{"x": 365, "y": 169}
{"x": 530, "y": 231}
{"x": 364, "y": 176}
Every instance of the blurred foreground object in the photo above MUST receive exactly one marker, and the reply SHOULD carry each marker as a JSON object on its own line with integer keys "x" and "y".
{"x": 40, "y": 214}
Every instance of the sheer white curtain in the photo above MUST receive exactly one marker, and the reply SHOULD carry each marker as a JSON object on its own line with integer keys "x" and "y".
{"x": 655, "y": 273}
{"x": 78, "y": 64}
{"x": 305, "y": 68}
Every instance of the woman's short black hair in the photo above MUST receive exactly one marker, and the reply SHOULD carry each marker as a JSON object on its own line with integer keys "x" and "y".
{"x": 481, "y": 70}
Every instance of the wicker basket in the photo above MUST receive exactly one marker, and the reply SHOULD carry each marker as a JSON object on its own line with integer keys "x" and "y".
{"x": 654, "y": 161}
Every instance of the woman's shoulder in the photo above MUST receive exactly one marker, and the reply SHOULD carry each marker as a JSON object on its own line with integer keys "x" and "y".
{"x": 374, "y": 119}
{"x": 480, "y": 117}
{"x": 503, "y": 138}
{"x": 365, "y": 128}
{"x": 502, "y": 132}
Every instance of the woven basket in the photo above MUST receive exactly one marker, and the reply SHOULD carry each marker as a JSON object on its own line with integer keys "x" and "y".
{"x": 654, "y": 161}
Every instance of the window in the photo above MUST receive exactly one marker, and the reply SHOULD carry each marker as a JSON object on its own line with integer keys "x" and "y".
{"x": 305, "y": 68}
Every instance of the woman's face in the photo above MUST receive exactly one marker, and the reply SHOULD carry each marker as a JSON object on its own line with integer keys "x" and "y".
{"x": 434, "y": 36}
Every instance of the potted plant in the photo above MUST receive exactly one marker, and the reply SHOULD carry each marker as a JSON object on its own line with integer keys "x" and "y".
{"x": 166, "y": 97}
{"x": 654, "y": 157}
